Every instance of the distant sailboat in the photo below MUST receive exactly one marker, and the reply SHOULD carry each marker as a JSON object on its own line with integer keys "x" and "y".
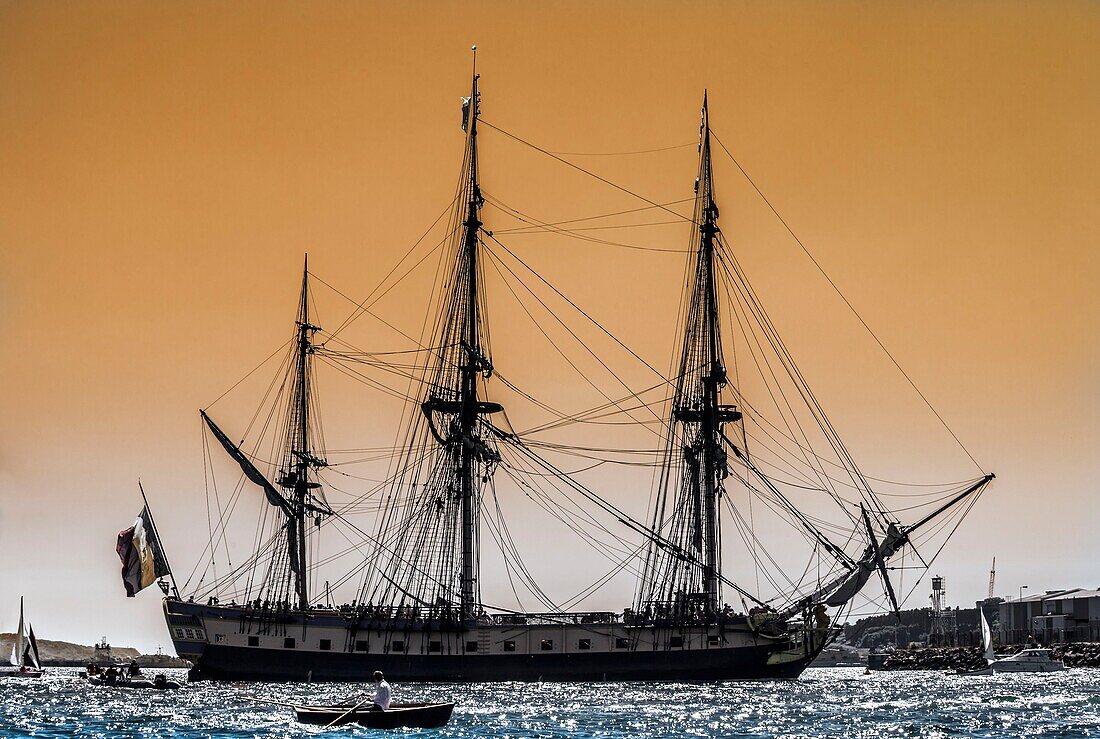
{"x": 987, "y": 638}
{"x": 987, "y": 648}
{"x": 24, "y": 652}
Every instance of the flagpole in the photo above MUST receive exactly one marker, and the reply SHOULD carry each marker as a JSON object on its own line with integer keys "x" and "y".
{"x": 160, "y": 544}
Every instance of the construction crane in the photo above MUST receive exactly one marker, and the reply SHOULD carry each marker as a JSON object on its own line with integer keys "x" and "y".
{"x": 992, "y": 577}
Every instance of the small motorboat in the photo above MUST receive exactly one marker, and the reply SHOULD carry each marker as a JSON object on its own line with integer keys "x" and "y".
{"x": 979, "y": 671}
{"x": 397, "y": 716}
{"x": 1029, "y": 660}
{"x": 160, "y": 682}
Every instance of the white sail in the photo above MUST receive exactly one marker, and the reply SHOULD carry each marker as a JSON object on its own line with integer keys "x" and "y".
{"x": 20, "y": 640}
{"x": 987, "y": 638}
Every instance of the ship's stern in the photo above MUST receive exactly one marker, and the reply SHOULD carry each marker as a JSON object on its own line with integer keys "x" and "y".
{"x": 186, "y": 630}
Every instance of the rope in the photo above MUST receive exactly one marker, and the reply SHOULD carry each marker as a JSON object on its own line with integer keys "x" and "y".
{"x": 848, "y": 303}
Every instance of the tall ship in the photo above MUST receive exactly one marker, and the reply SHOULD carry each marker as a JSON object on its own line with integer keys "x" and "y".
{"x": 421, "y": 536}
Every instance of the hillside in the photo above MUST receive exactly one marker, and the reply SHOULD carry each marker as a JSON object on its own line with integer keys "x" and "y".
{"x": 875, "y": 631}
{"x": 62, "y": 651}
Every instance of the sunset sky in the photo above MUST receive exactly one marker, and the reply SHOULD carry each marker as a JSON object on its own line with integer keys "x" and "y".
{"x": 164, "y": 167}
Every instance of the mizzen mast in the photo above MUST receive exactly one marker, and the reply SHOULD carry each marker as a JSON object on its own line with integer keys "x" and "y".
{"x": 299, "y": 460}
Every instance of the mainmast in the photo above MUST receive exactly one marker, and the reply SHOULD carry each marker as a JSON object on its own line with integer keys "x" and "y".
{"x": 453, "y": 408}
{"x": 713, "y": 377}
{"x": 474, "y": 364}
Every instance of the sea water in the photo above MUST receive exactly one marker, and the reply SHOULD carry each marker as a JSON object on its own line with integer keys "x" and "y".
{"x": 830, "y": 702}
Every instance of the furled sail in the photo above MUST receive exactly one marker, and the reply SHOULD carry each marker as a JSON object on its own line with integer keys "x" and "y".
{"x": 893, "y": 541}
{"x": 294, "y": 532}
{"x": 249, "y": 469}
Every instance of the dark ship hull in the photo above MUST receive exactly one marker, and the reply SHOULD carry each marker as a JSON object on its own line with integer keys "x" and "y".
{"x": 235, "y": 643}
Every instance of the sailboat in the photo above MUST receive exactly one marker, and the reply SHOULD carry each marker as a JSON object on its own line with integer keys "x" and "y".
{"x": 24, "y": 652}
{"x": 987, "y": 648}
{"x": 420, "y": 613}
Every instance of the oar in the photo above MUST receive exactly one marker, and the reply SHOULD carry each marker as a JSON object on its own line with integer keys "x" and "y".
{"x": 346, "y": 713}
{"x": 267, "y": 701}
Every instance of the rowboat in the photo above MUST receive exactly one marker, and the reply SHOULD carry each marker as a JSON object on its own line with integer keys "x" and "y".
{"x": 398, "y": 715}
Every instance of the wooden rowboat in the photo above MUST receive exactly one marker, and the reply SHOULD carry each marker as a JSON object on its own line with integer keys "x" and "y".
{"x": 398, "y": 715}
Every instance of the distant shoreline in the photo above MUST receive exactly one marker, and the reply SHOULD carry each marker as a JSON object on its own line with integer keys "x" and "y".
{"x": 56, "y": 653}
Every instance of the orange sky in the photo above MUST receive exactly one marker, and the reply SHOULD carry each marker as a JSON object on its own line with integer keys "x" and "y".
{"x": 163, "y": 167}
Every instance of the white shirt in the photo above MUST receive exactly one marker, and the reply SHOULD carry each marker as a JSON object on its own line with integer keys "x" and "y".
{"x": 382, "y": 695}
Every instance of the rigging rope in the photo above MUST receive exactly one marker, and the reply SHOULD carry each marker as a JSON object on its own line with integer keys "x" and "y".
{"x": 848, "y": 303}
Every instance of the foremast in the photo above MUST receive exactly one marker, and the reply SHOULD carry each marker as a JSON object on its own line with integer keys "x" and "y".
{"x": 692, "y": 588}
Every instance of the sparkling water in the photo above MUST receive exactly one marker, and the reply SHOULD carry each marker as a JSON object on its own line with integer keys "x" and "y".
{"x": 831, "y": 702}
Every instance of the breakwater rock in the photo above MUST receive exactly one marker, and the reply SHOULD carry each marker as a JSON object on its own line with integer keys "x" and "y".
{"x": 970, "y": 658}
{"x": 935, "y": 658}
{"x": 1085, "y": 654}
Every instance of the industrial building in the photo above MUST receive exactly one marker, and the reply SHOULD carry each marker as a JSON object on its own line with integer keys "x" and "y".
{"x": 1052, "y": 617}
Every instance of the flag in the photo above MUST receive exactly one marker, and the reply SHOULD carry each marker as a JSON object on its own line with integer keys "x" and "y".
{"x": 142, "y": 557}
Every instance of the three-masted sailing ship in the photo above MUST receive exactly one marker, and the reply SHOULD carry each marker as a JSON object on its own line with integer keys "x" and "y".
{"x": 420, "y": 614}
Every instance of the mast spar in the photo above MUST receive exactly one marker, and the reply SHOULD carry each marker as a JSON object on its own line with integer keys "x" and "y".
{"x": 713, "y": 414}
{"x": 475, "y": 362}
{"x": 454, "y": 414}
{"x": 698, "y": 417}
{"x": 301, "y": 460}
{"x": 297, "y": 464}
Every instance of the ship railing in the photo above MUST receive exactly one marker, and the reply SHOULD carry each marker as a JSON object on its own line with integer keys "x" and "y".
{"x": 688, "y": 611}
{"x": 550, "y": 619}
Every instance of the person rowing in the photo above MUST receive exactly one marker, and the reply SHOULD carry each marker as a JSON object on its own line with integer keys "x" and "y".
{"x": 382, "y": 692}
